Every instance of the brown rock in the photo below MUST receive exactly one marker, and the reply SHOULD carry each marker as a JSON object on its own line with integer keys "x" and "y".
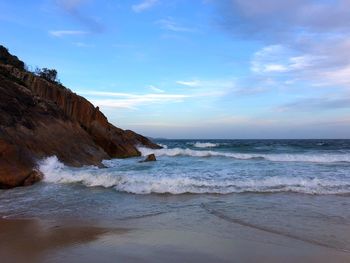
{"x": 33, "y": 177}
{"x": 40, "y": 118}
{"x": 149, "y": 158}
{"x": 15, "y": 165}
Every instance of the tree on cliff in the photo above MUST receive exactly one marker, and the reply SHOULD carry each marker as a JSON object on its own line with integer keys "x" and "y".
{"x": 48, "y": 74}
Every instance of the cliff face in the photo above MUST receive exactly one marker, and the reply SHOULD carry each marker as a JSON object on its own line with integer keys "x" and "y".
{"x": 39, "y": 118}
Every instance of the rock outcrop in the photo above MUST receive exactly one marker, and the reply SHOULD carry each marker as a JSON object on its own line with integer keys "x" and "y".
{"x": 39, "y": 118}
{"x": 149, "y": 158}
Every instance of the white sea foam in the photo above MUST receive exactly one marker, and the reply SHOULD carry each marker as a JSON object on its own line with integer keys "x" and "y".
{"x": 163, "y": 145}
{"x": 138, "y": 182}
{"x": 205, "y": 145}
{"x": 317, "y": 158}
{"x": 56, "y": 172}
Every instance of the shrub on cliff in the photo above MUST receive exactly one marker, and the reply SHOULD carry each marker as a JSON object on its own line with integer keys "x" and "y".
{"x": 48, "y": 74}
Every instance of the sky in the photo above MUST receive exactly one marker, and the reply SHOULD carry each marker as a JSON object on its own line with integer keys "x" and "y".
{"x": 230, "y": 69}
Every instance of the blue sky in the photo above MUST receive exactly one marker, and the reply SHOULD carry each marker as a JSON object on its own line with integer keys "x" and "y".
{"x": 199, "y": 68}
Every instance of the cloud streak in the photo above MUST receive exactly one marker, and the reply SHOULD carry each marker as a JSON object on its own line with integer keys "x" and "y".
{"x": 144, "y": 5}
{"x": 223, "y": 87}
{"x": 189, "y": 83}
{"x": 279, "y": 59}
{"x": 170, "y": 25}
{"x": 312, "y": 104}
{"x": 63, "y": 33}
{"x": 155, "y": 89}
{"x": 83, "y": 45}
{"x": 132, "y": 101}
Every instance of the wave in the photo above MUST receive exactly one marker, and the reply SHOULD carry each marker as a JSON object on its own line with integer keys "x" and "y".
{"x": 141, "y": 183}
{"x": 56, "y": 172}
{"x": 163, "y": 145}
{"x": 316, "y": 158}
{"x": 205, "y": 145}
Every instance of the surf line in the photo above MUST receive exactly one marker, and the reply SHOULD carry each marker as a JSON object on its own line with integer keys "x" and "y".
{"x": 222, "y": 216}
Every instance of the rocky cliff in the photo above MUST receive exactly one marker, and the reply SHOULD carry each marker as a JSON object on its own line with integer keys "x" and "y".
{"x": 41, "y": 118}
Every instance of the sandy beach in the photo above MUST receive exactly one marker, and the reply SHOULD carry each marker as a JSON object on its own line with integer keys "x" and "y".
{"x": 177, "y": 236}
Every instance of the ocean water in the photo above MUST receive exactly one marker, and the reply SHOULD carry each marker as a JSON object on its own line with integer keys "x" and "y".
{"x": 221, "y": 167}
{"x": 297, "y": 189}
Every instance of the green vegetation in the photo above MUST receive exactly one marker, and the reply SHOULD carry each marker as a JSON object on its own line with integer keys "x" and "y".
{"x": 47, "y": 74}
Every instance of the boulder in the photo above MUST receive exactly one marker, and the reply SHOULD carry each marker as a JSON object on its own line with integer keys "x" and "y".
{"x": 149, "y": 158}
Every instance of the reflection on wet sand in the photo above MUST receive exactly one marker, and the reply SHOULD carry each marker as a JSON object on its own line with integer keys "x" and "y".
{"x": 29, "y": 240}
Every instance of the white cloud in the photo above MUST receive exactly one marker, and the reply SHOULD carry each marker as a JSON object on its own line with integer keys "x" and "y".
{"x": 144, "y": 5}
{"x": 325, "y": 64}
{"x": 218, "y": 85}
{"x": 278, "y": 59}
{"x": 339, "y": 76}
{"x": 62, "y": 33}
{"x": 301, "y": 62}
{"x": 131, "y": 101}
{"x": 273, "y": 58}
{"x": 222, "y": 87}
{"x": 191, "y": 83}
{"x": 82, "y": 44}
{"x": 171, "y": 25}
{"x": 155, "y": 89}
{"x": 274, "y": 68}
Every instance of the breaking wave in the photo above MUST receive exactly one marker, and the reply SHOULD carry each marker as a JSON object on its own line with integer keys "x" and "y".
{"x": 316, "y": 158}
{"x": 162, "y": 183}
{"x": 205, "y": 145}
{"x": 164, "y": 146}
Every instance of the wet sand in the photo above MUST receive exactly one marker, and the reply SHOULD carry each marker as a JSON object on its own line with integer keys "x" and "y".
{"x": 169, "y": 237}
{"x": 31, "y": 240}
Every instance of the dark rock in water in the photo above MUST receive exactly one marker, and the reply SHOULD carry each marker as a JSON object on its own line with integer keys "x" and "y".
{"x": 149, "y": 158}
{"x": 33, "y": 177}
{"x": 39, "y": 118}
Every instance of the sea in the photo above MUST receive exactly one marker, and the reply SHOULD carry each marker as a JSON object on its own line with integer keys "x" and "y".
{"x": 298, "y": 189}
